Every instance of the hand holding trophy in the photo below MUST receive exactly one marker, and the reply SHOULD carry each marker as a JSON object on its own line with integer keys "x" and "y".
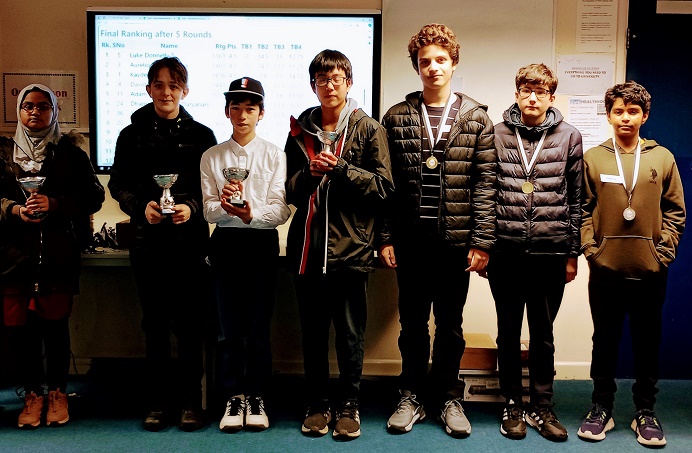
{"x": 32, "y": 184}
{"x": 237, "y": 174}
{"x": 165, "y": 182}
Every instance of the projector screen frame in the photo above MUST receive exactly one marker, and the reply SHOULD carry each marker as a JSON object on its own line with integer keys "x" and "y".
{"x": 95, "y": 97}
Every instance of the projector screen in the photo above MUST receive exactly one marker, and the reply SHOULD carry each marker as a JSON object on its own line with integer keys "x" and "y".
{"x": 217, "y": 47}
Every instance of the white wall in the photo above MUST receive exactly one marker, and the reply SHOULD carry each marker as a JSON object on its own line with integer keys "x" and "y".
{"x": 496, "y": 36}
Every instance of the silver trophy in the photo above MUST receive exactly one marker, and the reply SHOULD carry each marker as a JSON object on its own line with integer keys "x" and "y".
{"x": 32, "y": 184}
{"x": 237, "y": 174}
{"x": 166, "y": 181}
{"x": 328, "y": 138}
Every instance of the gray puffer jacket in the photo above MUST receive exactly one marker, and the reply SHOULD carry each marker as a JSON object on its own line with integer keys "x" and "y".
{"x": 546, "y": 221}
{"x": 467, "y": 202}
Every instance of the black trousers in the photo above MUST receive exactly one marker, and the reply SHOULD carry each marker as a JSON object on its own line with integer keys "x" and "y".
{"x": 244, "y": 263}
{"x": 536, "y": 282}
{"x": 611, "y": 298}
{"x": 339, "y": 297}
{"x": 430, "y": 273}
{"x": 173, "y": 289}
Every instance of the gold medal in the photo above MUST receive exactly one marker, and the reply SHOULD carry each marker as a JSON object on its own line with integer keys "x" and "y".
{"x": 629, "y": 214}
{"x": 432, "y": 162}
{"x": 527, "y": 187}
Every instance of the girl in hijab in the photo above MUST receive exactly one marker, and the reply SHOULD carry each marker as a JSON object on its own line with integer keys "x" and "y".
{"x": 41, "y": 239}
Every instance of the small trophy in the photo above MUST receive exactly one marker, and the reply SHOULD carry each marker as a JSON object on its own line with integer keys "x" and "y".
{"x": 165, "y": 182}
{"x": 31, "y": 184}
{"x": 328, "y": 138}
{"x": 236, "y": 174}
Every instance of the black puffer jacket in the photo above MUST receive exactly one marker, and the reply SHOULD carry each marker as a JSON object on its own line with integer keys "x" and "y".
{"x": 546, "y": 221}
{"x": 467, "y": 211}
{"x": 152, "y": 145}
{"x": 49, "y": 252}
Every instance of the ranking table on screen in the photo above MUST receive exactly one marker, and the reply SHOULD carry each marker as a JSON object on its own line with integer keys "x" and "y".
{"x": 217, "y": 50}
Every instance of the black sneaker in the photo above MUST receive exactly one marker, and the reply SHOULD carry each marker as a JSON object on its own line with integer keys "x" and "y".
{"x": 597, "y": 422}
{"x": 648, "y": 429}
{"x": 155, "y": 420}
{"x": 347, "y": 422}
{"x": 317, "y": 421}
{"x": 513, "y": 421}
{"x": 544, "y": 420}
{"x": 191, "y": 419}
{"x": 255, "y": 416}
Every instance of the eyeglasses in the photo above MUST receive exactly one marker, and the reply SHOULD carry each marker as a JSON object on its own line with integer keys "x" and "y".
{"x": 541, "y": 93}
{"x": 29, "y": 107}
{"x": 323, "y": 81}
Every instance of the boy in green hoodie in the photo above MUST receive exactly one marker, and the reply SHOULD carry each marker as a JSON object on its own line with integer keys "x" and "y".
{"x": 632, "y": 220}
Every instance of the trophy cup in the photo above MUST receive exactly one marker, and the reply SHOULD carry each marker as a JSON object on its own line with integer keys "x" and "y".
{"x": 328, "y": 138}
{"x": 236, "y": 174}
{"x": 165, "y": 182}
{"x": 31, "y": 184}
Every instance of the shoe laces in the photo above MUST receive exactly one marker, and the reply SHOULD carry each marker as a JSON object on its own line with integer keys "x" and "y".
{"x": 407, "y": 403}
{"x": 513, "y": 412}
{"x": 235, "y": 407}
{"x": 546, "y": 415}
{"x": 597, "y": 414}
{"x": 454, "y": 408}
{"x": 256, "y": 405}
{"x": 350, "y": 410}
{"x": 30, "y": 401}
{"x": 647, "y": 419}
{"x": 56, "y": 396}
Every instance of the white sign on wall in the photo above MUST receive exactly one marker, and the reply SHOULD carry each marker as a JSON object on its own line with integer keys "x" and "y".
{"x": 585, "y": 74}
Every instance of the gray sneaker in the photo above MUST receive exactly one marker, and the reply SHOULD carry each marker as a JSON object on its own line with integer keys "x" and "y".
{"x": 407, "y": 413}
{"x": 454, "y": 419}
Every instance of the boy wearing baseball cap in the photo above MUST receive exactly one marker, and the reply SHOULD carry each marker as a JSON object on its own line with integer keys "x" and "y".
{"x": 243, "y": 185}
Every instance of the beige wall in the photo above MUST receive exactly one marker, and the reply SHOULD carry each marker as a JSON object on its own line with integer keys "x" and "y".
{"x": 496, "y": 39}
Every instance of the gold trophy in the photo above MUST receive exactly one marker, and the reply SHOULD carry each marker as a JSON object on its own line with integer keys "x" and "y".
{"x": 166, "y": 181}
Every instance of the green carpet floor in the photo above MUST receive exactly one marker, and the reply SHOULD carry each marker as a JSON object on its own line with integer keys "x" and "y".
{"x": 106, "y": 418}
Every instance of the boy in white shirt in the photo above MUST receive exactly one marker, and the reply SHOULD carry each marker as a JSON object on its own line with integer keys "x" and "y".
{"x": 244, "y": 252}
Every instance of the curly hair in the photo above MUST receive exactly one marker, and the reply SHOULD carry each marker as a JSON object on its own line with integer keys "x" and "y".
{"x": 631, "y": 93}
{"x": 437, "y": 34}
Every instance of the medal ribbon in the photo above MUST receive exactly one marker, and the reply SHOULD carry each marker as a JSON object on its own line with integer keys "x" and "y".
{"x": 529, "y": 165}
{"x": 637, "y": 159}
{"x": 443, "y": 122}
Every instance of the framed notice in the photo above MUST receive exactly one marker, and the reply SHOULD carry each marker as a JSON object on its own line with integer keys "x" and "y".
{"x": 63, "y": 84}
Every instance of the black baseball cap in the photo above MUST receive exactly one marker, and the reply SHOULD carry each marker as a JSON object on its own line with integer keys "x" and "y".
{"x": 246, "y": 85}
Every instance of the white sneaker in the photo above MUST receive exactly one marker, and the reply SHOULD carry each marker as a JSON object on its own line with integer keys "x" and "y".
{"x": 454, "y": 419}
{"x": 408, "y": 412}
{"x": 233, "y": 419}
{"x": 255, "y": 416}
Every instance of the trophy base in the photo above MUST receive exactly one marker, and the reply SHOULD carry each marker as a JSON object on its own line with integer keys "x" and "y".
{"x": 167, "y": 211}
{"x": 238, "y": 203}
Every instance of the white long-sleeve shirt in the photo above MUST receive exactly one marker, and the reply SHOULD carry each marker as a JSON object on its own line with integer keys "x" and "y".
{"x": 264, "y": 187}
